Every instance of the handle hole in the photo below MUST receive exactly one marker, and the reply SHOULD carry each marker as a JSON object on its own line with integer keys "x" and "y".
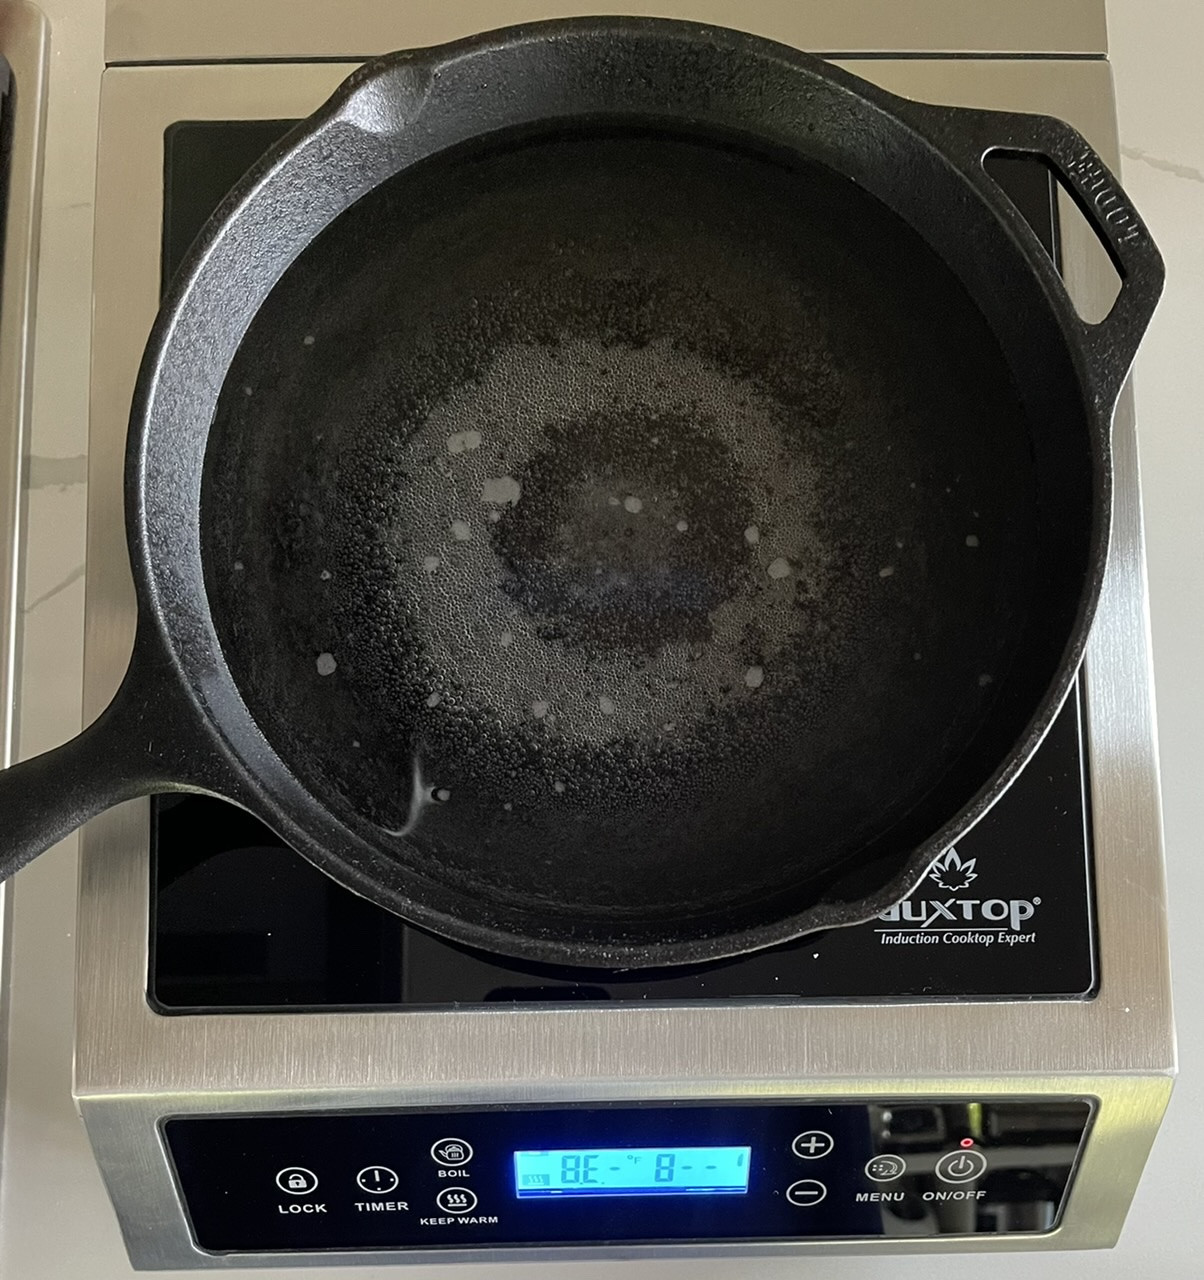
{"x": 1075, "y": 247}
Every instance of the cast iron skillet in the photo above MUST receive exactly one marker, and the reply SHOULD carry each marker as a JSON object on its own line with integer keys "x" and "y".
{"x": 614, "y": 492}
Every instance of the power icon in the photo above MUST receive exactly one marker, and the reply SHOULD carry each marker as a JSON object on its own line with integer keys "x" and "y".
{"x": 961, "y": 1166}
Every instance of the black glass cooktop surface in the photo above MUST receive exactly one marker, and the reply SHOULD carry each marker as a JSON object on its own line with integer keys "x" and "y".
{"x": 239, "y": 921}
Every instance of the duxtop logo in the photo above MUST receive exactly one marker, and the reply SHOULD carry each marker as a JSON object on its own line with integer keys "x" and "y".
{"x": 960, "y": 918}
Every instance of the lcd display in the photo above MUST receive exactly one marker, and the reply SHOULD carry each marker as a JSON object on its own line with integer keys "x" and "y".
{"x": 632, "y": 1171}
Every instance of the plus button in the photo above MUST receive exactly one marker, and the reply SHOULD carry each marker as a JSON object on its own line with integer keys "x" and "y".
{"x": 814, "y": 1144}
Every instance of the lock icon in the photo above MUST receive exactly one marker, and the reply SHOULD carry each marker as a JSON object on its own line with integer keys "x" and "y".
{"x": 297, "y": 1181}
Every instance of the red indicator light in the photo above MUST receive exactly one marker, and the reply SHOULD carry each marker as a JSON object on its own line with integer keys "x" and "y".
{"x": 967, "y": 1142}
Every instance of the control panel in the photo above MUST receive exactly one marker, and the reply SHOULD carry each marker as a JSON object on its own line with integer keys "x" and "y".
{"x": 626, "y": 1172}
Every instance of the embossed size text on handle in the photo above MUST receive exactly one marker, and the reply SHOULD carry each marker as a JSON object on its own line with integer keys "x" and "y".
{"x": 1097, "y": 186}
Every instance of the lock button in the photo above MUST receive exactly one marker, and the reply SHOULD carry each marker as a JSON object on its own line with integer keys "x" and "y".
{"x": 297, "y": 1181}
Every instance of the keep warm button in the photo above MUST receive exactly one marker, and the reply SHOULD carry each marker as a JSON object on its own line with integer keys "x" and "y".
{"x": 456, "y": 1200}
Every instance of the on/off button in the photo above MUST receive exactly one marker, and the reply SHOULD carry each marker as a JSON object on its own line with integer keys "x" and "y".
{"x": 961, "y": 1166}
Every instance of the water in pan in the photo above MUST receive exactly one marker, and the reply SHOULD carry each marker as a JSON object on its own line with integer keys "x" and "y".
{"x": 622, "y": 543}
{"x": 444, "y": 509}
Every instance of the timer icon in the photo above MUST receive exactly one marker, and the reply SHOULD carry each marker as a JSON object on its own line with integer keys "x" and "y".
{"x": 377, "y": 1180}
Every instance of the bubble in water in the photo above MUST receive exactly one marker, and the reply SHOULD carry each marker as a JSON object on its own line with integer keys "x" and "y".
{"x": 779, "y": 568}
{"x": 634, "y": 505}
{"x": 460, "y": 530}
{"x": 754, "y": 677}
{"x": 606, "y": 705}
{"x": 463, "y": 441}
{"x": 503, "y": 490}
{"x": 326, "y": 664}
{"x": 325, "y": 575}
{"x": 430, "y": 563}
{"x": 752, "y": 535}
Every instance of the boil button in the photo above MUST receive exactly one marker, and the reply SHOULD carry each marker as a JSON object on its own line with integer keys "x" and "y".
{"x": 452, "y": 1152}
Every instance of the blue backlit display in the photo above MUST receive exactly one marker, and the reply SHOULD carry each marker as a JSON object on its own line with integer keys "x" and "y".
{"x": 632, "y": 1171}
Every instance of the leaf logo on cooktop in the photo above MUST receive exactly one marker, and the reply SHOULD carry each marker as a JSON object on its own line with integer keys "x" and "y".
{"x": 950, "y": 872}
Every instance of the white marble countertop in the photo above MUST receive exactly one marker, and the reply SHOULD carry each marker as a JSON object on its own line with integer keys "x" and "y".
{"x": 1160, "y": 89}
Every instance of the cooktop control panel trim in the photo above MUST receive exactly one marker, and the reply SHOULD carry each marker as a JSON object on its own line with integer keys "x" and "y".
{"x": 636, "y": 1173}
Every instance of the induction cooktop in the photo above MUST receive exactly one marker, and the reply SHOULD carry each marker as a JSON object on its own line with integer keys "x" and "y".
{"x": 274, "y": 1073}
{"x": 238, "y": 921}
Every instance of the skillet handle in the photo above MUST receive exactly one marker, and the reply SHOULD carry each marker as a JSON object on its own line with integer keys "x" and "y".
{"x": 142, "y": 743}
{"x": 968, "y": 135}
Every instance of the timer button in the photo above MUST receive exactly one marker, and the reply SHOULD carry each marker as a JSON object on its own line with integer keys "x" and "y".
{"x": 813, "y": 1144}
{"x": 377, "y": 1180}
{"x": 451, "y": 1152}
{"x": 961, "y": 1166}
